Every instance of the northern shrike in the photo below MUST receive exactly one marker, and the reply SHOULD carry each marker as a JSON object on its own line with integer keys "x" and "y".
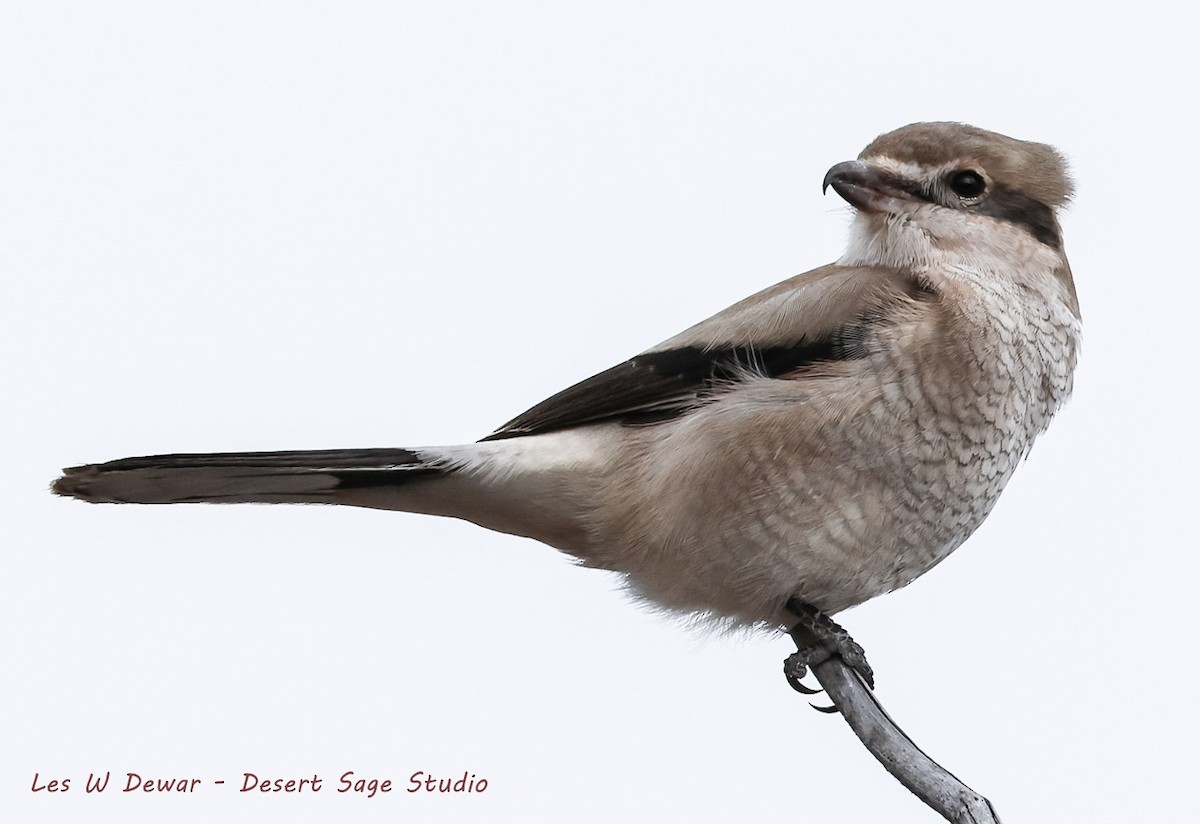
{"x": 824, "y": 441}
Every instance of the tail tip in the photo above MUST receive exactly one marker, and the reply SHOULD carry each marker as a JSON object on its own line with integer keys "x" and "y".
{"x": 74, "y": 482}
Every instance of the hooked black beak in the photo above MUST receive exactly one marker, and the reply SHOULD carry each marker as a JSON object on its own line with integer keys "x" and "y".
{"x": 869, "y": 188}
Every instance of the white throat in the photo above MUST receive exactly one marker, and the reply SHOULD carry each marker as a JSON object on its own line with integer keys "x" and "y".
{"x": 929, "y": 237}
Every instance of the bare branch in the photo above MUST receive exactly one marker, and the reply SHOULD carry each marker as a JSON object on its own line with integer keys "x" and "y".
{"x": 927, "y": 779}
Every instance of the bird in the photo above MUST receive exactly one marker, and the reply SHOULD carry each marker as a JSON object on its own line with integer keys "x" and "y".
{"x": 820, "y": 443}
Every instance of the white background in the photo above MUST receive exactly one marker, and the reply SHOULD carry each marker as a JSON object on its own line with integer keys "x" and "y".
{"x": 231, "y": 226}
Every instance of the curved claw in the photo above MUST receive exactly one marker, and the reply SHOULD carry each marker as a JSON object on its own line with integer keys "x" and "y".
{"x": 828, "y": 710}
{"x": 800, "y": 687}
{"x": 795, "y": 667}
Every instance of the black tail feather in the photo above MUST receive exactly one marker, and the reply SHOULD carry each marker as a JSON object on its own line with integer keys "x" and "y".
{"x": 234, "y": 477}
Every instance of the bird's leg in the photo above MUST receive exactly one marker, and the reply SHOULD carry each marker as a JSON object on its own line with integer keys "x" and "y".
{"x": 818, "y": 637}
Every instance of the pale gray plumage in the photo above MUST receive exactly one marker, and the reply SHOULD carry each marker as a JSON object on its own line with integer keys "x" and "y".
{"x": 830, "y": 438}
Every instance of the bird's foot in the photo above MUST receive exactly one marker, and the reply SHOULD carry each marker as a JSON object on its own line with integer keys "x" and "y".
{"x": 795, "y": 667}
{"x": 818, "y": 637}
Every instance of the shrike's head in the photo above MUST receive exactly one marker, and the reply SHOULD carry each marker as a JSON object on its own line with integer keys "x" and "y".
{"x": 938, "y": 191}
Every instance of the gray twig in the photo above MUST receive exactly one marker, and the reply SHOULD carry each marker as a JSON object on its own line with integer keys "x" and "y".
{"x": 927, "y": 779}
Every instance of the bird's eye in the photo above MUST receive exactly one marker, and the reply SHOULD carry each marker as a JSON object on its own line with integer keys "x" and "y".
{"x": 968, "y": 183}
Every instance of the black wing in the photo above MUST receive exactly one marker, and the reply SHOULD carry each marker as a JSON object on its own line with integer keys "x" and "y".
{"x": 823, "y": 316}
{"x": 661, "y": 385}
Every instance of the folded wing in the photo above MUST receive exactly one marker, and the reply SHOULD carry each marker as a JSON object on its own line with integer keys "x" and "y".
{"x": 784, "y": 331}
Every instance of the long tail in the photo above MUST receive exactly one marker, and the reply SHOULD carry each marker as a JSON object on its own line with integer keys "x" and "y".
{"x": 524, "y": 486}
{"x": 244, "y": 477}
